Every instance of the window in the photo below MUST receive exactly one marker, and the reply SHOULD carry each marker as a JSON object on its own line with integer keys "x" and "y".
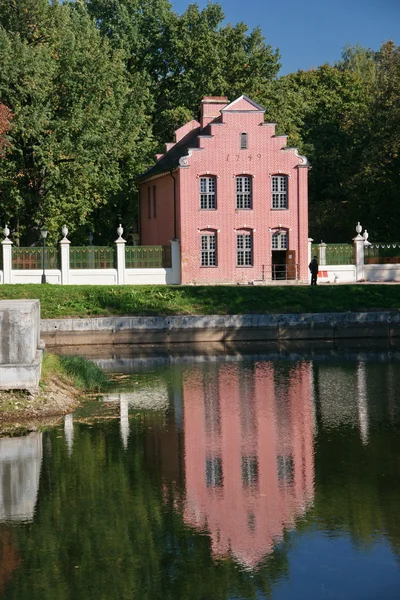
{"x": 148, "y": 203}
{"x": 280, "y": 240}
{"x": 154, "y": 201}
{"x": 279, "y": 191}
{"x": 243, "y": 141}
{"x": 285, "y": 466}
{"x": 249, "y": 470}
{"x": 209, "y": 250}
{"x": 214, "y": 475}
{"x": 208, "y": 199}
{"x": 243, "y": 192}
{"x": 244, "y": 250}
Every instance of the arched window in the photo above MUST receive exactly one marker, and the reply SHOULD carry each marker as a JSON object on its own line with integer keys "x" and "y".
{"x": 243, "y": 192}
{"x": 279, "y": 191}
{"x": 208, "y": 249}
{"x": 280, "y": 240}
{"x": 243, "y": 141}
{"x": 244, "y": 249}
{"x": 208, "y": 196}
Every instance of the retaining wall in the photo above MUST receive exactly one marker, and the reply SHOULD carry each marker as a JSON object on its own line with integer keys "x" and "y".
{"x": 216, "y": 328}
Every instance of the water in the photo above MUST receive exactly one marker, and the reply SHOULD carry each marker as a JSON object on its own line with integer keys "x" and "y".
{"x": 249, "y": 479}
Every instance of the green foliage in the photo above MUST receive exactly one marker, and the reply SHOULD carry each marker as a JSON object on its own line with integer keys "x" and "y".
{"x": 80, "y": 129}
{"x": 84, "y": 374}
{"x": 95, "y": 87}
{"x": 186, "y": 56}
{"x": 345, "y": 118}
{"x": 82, "y": 301}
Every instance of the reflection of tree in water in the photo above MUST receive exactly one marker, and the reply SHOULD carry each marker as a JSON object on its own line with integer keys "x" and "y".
{"x": 9, "y": 558}
{"x": 357, "y": 482}
{"x": 108, "y": 521}
{"x": 106, "y": 527}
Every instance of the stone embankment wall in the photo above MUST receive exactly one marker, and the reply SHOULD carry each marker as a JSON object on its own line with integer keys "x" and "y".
{"x": 20, "y": 345}
{"x": 216, "y": 328}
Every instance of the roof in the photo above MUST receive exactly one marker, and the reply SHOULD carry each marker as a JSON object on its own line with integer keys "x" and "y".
{"x": 170, "y": 159}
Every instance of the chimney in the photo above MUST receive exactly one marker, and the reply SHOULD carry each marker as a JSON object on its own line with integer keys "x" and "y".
{"x": 211, "y": 107}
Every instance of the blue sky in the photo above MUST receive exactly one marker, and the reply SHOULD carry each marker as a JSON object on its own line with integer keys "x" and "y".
{"x": 309, "y": 33}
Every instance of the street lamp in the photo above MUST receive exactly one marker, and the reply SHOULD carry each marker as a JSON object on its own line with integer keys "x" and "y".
{"x": 43, "y": 234}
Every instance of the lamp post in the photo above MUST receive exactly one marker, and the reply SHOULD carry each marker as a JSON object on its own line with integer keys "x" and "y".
{"x": 43, "y": 234}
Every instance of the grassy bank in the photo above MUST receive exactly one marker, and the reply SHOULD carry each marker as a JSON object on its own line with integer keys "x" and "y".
{"x": 83, "y": 374}
{"x": 64, "y": 379}
{"x": 84, "y": 301}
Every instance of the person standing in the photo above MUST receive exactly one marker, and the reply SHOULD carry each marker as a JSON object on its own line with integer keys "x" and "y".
{"x": 313, "y": 266}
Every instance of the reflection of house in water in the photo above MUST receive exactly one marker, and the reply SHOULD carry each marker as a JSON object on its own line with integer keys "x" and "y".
{"x": 249, "y": 461}
{"x": 20, "y": 463}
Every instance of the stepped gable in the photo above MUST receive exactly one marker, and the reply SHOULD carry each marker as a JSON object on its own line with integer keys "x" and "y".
{"x": 170, "y": 160}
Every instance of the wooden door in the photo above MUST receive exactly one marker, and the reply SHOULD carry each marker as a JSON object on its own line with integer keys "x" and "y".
{"x": 291, "y": 267}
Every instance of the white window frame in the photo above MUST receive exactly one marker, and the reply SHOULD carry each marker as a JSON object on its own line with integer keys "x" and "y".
{"x": 244, "y": 141}
{"x": 280, "y": 240}
{"x": 279, "y": 190}
{"x": 208, "y": 192}
{"x": 244, "y": 249}
{"x": 244, "y": 192}
{"x": 208, "y": 249}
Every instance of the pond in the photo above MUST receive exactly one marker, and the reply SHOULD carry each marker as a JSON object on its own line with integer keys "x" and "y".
{"x": 226, "y": 477}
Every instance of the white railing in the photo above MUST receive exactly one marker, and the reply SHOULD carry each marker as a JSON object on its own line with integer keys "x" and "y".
{"x": 118, "y": 274}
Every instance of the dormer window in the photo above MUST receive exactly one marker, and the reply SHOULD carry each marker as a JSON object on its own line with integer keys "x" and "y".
{"x": 243, "y": 141}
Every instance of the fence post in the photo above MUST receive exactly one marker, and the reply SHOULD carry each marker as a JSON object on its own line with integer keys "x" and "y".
{"x": 322, "y": 253}
{"x": 176, "y": 261}
{"x": 64, "y": 246}
{"x": 7, "y": 256}
{"x": 120, "y": 244}
{"x": 359, "y": 251}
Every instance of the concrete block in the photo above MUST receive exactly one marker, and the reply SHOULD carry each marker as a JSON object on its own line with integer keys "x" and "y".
{"x": 19, "y": 331}
{"x": 21, "y": 349}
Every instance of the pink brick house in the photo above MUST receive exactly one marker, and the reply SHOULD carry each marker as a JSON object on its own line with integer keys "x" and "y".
{"x": 233, "y": 194}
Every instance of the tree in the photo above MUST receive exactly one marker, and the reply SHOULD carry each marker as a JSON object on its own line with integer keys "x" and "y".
{"x": 186, "y": 57}
{"x": 79, "y": 123}
{"x": 5, "y": 126}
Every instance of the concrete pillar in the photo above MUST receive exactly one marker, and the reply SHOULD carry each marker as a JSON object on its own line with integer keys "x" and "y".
{"x": 322, "y": 254}
{"x": 64, "y": 246}
{"x": 309, "y": 256}
{"x": 7, "y": 260}
{"x": 120, "y": 246}
{"x": 359, "y": 253}
{"x": 176, "y": 261}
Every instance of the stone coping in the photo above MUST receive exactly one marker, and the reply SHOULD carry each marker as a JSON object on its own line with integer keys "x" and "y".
{"x": 115, "y": 324}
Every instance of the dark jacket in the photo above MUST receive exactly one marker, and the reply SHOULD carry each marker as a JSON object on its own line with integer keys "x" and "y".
{"x": 313, "y": 266}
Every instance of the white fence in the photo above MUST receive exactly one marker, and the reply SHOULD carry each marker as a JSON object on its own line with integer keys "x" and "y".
{"x": 357, "y": 269}
{"x": 118, "y": 274}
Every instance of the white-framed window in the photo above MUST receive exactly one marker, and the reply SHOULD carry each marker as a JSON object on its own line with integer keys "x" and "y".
{"x": 243, "y": 141}
{"x": 280, "y": 240}
{"x": 208, "y": 250}
{"x": 208, "y": 196}
{"x": 279, "y": 191}
{"x": 244, "y": 249}
{"x": 243, "y": 192}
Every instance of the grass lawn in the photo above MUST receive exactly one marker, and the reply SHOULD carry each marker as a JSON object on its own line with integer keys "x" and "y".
{"x": 84, "y": 301}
